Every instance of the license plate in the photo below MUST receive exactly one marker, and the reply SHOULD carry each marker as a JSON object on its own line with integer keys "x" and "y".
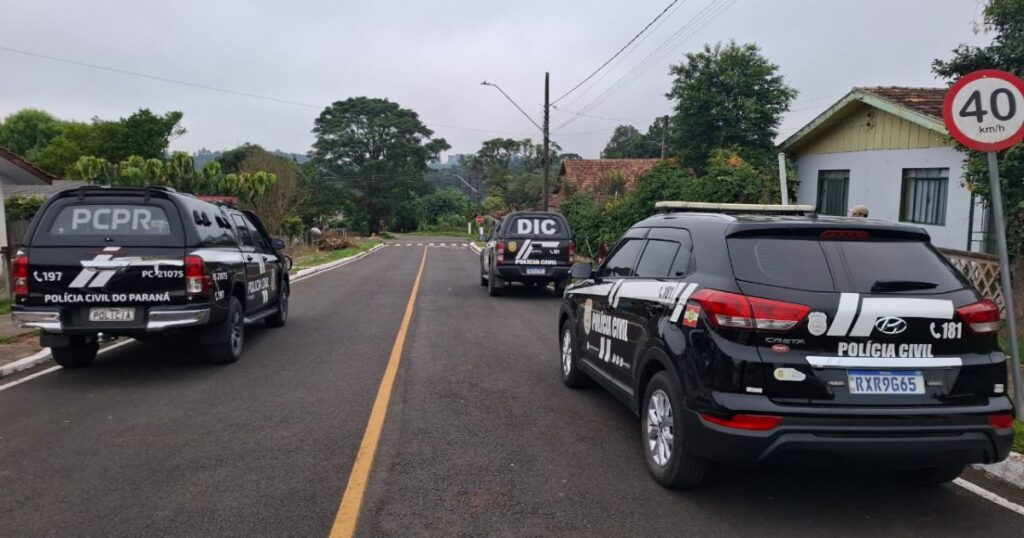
{"x": 535, "y": 270}
{"x": 885, "y": 382}
{"x": 111, "y": 314}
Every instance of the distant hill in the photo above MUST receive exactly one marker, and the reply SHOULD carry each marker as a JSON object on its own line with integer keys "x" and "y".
{"x": 204, "y": 156}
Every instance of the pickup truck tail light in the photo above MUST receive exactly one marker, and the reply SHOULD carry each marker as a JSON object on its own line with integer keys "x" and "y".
{"x": 572, "y": 251}
{"x": 981, "y": 317}
{"x": 197, "y": 282}
{"x": 737, "y": 311}
{"x": 499, "y": 252}
{"x": 19, "y": 275}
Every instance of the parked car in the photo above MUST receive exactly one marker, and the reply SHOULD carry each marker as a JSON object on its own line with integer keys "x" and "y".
{"x": 529, "y": 247}
{"x": 757, "y": 334}
{"x": 141, "y": 262}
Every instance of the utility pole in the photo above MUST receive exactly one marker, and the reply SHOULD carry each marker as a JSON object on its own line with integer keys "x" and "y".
{"x": 547, "y": 123}
{"x": 664, "y": 136}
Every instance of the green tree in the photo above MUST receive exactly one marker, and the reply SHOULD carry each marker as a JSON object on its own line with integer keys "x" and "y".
{"x": 283, "y": 197}
{"x": 629, "y": 143}
{"x": 178, "y": 172}
{"x": 28, "y": 131}
{"x": 1004, "y": 20}
{"x": 378, "y": 149}
{"x": 445, "y": 202}
{"x": 513, "y": 170}
{"x": 143, "y": 134}
{"x": 726, "y": 97}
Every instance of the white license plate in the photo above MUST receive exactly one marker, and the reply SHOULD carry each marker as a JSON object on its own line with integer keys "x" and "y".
{"x": 535, "y": 270}
{"x": 885, "y": 382}
{"x": 111, "y": 314}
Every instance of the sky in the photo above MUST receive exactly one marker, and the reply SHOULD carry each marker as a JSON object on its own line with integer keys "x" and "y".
{"x": 430, "y": 56}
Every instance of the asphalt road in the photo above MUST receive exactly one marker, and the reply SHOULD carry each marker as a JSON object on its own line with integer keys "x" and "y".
{"x": 481, "y": 438}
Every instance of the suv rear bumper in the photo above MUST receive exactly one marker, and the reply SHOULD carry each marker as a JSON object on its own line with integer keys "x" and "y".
{"x": 517, "y": 273}
{"x": 157, "y": 318}
{"x": 893, "y": 438}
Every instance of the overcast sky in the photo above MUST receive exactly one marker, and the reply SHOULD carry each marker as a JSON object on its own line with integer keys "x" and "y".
{"x": 430, "y": 56}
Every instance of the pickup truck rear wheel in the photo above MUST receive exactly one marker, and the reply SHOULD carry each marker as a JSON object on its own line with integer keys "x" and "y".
{"x": 280, "y": 316}
{"x": 494, "y": 289}
{"x": 78, "y": 354}
{"x": 231, "y": 336}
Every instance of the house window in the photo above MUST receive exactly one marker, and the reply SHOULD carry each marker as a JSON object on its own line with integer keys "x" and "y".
{"x": 924, "y": 195}
{"x": 833, "y": 189}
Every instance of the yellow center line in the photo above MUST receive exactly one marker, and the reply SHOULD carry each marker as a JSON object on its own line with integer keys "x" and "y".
{"x": 351, "y": 502}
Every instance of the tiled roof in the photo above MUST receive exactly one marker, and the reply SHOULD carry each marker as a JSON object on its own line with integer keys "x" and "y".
{"x": 43, "y": 175}
{"x": 584, "y": 174}
{"x": 45, "y": 190}
{"x": 927, "y": 101}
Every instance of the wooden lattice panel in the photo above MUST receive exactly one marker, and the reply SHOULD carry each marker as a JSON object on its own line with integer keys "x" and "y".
{"x": 981, "y": 269}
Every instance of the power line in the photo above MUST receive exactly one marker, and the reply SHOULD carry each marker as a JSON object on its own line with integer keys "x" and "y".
{"x": 207, "y": 87}
{"x": 697, "y": 23}
{"x": 595, "y": 117}
{"x": 609, "y": 60}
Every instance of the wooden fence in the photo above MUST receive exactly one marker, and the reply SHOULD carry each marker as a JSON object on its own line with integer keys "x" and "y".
{"x": 981, "y": 269}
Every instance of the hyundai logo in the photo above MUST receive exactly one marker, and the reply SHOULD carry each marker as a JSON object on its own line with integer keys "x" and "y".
{"x": 891, "y": 325}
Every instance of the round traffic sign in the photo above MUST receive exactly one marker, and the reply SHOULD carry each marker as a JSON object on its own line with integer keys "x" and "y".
{"x": 479, "y": 219}
{"x": 984, "y": 110}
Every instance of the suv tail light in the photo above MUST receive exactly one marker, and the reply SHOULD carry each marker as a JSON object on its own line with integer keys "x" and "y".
{"x": 197, "y": 282}
{"x": 19, "y": 275}
{"x": 737, "y": 311}
{"x": 981, "y": 317}
{"x": 1001, "y": 422}
{"x": 499, "y": 252}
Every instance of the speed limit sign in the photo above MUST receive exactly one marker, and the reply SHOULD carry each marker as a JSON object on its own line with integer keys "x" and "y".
{"x": 985, "y": 110}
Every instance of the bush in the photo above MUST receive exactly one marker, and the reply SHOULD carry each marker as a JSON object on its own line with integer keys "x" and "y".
{"x": 22, "y": 207}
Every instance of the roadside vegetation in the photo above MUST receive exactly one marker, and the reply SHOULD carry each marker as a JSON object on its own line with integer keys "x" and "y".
{"x": 306, "y": 258}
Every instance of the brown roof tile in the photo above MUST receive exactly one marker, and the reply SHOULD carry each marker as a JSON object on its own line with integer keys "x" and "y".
{"x": 927, "y": 101}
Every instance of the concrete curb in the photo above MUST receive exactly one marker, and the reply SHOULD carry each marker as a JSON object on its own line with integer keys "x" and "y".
{"x": 310, "y": 271}
{"x": 42, "y": 356}
{"x": 1010, "y": 470}
{"x": 24, "y": 363}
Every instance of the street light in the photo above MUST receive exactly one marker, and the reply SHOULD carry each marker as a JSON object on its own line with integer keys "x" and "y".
{"x": 547, "y": 117}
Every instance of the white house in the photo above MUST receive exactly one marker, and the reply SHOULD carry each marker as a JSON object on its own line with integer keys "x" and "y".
{"x": 887, "y": 148}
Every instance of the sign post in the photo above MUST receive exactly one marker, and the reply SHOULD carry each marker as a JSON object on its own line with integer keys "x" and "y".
{"x": 984, "y": 111}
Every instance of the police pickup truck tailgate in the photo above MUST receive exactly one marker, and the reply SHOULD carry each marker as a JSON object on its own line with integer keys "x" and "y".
{"x": 123, "y": 276}
{"x": 537, "y": 252}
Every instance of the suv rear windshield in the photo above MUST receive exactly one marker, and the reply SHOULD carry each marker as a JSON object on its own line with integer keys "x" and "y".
{"x": 543, "y": 226}
{"x": 843, "y": 266}
{"x": 71, "y": 222}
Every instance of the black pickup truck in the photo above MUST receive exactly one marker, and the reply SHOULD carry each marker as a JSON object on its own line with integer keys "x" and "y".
{"x": 146, "y": 263}
{"x": 530, "y": 247}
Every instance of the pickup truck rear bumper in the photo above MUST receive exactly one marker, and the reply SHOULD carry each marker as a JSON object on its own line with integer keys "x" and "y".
{"x": 153, "y": 319}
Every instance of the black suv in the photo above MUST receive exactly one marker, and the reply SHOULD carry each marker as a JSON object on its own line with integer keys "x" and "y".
{"x": 531, "y": 247}
{"x": 143, "y": 263}
{"x": 754, "y": 334}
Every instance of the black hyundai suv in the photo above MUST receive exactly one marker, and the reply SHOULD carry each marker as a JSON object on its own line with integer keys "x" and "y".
{"x": 146, "y": 263}
{"x": 530, "y": 247}
{"x": 750, "y": 334}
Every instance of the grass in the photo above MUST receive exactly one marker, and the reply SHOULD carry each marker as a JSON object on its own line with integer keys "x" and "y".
{"x": 327, "y": 256}
{"x": 5, "y": 306}
{"x": 1004, "y": 343}
{"x": 1018, "y": 436}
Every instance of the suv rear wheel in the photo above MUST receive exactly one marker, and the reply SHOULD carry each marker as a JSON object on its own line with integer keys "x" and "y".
{"x": 78, "y": 354}
{"x": 665, "y": 449}
{"x": 493, "y": 288}
{"x": 280, "y": 316}
{"x": 230, "y": 335}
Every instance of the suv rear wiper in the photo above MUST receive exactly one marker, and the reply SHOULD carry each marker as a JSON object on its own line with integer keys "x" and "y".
{"x": 901, "y": 285}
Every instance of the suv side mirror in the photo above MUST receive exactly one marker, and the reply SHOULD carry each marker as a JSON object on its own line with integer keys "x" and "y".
{"x": 278, "y": 244}
{"x": 582, "y": 271}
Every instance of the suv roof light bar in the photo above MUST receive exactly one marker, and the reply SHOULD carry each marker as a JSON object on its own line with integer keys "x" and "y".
{"x": 707, "y": 207}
